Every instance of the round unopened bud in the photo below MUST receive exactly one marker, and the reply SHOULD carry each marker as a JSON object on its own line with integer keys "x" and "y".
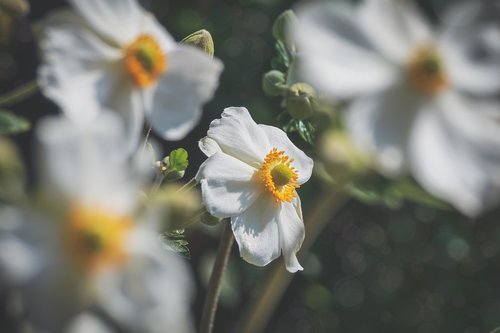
{"x": 202, "y": 39}
{"x": 299, "y": 101}
{"x": 273, "y": 83}
{"x": 282, "y": 25}
{"x": 342, "y": 159}
{"x": 15, "y": 8}
{"x": 209, "y": 219}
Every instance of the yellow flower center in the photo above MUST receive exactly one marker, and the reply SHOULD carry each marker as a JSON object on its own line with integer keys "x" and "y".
{"x": 145, "y": 60}
{"x": 426, "y": 71}
{"x": 279, "y": 178}
{"x": 95, "y": 238}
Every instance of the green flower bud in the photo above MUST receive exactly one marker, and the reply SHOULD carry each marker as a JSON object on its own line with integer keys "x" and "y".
{"x": 273, "y": 83}
{"x": 299, "y": 101}
{"x": 202, "y": 39}
{"x": 15, "y": 8}
{"x": 282, "y": 24}
{"x": 341, "y": 158}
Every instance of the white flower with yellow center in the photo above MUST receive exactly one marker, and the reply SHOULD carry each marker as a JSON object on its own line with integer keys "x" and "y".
{"x": 94, "y": 249}
{"x": 417, "y": 105}
{"x": 109, "y": 54}
{"x": 251, "y": 175}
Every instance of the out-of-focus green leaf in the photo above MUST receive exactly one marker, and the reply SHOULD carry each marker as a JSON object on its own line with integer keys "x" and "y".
{"x": 10, "y": 123}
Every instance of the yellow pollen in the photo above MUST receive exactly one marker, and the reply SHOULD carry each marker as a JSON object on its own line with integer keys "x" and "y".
{"x": 95, "y": 238}
{"x": 426, "y": 72}
{"x": 145, "y": 61}
{"x": 279, "y": 178}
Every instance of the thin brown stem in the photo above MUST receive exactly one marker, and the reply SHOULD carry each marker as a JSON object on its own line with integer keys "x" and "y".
{"x": 214, "y": 285}
{"x": 258, "y": 313}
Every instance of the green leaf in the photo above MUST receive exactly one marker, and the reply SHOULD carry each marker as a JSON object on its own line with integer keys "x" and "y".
{"x": 175, "y": 241}
{"x": 306, "y": 131}
{"x": 10, "y": 123}
{"x": 178, "y": 160}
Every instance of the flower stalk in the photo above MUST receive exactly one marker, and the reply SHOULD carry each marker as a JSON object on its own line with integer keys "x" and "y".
{"x": 214, "y": 285}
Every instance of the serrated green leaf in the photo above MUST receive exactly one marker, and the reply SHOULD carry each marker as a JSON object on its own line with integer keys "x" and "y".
{"x": 178, "y": 160}
{"x": 11, "y": 124}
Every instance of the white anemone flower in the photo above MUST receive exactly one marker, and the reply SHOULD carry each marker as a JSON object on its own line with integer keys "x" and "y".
{"x": 109, "y": 54}
{"x": 94, "y": 249}
{"x": 418, "y": 96}
{"x": 251, "y": 175}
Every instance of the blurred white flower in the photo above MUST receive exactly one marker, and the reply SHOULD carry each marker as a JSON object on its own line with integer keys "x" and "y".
{"x": 419, "y": 102}
{"x": 251, "y": 175}
{"x": 94, "y": 248}
{"x": 106, "y": 54}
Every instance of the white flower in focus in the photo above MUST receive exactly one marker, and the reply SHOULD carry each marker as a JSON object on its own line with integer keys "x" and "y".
{"x": 94, "y": 249}
{"x": 419, "y": 102}
{"x": 108, "y": 54}
{"x": 251, "y": 175}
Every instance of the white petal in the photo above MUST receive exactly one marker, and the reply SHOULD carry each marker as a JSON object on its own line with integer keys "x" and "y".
{"x": 227, "y": 185}
{"x": 334, "y": 52}
{"x": 238, "y": 135}
{"x": 76, "y": 65}
{"x": 257, "y": 233}
{"x": 470, "y": 56}
{"x": 118, "y": 20}
{"x": 380, "y": 125}
{"x": 455, "y": 155}
{"x": 208, "y": 146}
{"x": 150, "y": 25}
{"x": 190, "y": 81}
{"x": 395, "y": 27}
{"x": 86, "y": 163}
{"x": 292, "y": 233}
{"x": 151, "y": 291}
{"x": 301, "y": 162}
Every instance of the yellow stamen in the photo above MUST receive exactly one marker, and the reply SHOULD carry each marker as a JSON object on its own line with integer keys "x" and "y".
{"x": 426, "y": 72}
{"x": 279, "y": 178}
{"x": 145, "y": 60}
{"x": 95, "y": 238}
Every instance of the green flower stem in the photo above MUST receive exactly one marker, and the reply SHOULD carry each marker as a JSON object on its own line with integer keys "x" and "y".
{"x": 19, "y": 94}
{"x": 273, "y": 286}
{"x": 214, "y": 285}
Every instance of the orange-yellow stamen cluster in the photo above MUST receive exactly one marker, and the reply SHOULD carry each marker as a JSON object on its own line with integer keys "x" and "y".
{"x": 279, "y": 178}
{"x": 145, "y": 60}
{"x": 426, "y": 72}
{"x": 95, "y": 238}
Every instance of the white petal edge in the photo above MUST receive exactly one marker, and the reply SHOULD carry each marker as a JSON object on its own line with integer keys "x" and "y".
{"x": 238, "y": 135}
{"x": 292, "y": 235}
{"x": 208, "y": 146}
